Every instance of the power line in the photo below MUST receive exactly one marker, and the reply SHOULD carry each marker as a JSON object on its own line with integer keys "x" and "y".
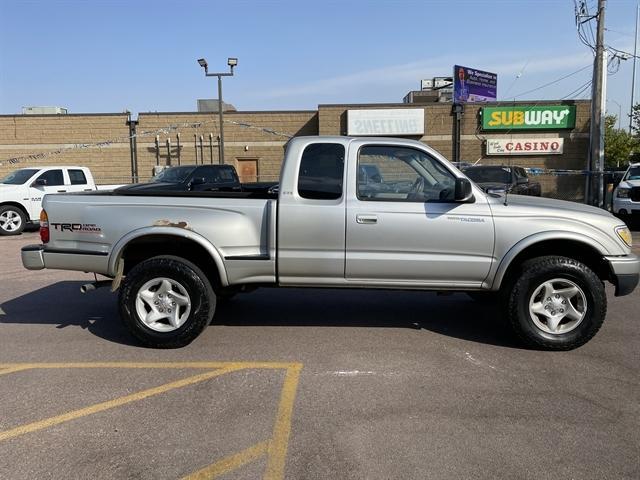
{"x": 578, "y": 91}
{"x": 552, "y": 82}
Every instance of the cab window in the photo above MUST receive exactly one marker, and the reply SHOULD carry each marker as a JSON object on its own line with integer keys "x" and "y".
{"x": 321, "y": 171}
{"x": 402, "y": 174}
{"x": 52, "y": 177}
{"x": 77, "y": 177}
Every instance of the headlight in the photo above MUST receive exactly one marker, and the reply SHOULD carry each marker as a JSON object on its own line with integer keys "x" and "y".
{"x": 625, "y": 235}
{"x": 623, "y": 193}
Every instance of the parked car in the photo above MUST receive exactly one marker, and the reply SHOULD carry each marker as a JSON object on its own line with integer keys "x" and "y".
{"x": 626, "y": 196}
{"x": 22, "y": 191}
{"x": 187, "y": 178}
{"x": 173, "y": 254}
{"x": 500, "y": 179}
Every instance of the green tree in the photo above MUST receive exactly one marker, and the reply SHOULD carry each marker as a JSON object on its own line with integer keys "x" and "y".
{"x": 619, "y": 145}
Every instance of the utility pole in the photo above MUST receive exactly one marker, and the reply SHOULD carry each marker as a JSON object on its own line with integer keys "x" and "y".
{"x": 633, "y": 78}
{"x": 596, "y": 157}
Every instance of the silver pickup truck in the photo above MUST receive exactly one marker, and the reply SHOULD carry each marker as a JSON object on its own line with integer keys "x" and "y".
{"x": 419, "y": 223}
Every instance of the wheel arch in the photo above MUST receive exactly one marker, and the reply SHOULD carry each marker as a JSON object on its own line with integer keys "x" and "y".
{"x": 148, "y": 242}
{"x": 17, "y": 205}
{"x": 584, "y": 249}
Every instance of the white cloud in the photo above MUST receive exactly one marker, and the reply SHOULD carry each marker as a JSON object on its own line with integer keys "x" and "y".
{"x": 410, "y": 73}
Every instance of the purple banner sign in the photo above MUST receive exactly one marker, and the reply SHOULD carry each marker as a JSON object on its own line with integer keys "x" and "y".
{"x": 471, "y": 85}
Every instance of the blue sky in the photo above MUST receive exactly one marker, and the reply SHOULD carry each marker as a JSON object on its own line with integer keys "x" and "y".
{"x": 108, "y": 56}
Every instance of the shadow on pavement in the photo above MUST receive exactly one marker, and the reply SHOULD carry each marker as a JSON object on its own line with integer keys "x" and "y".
{"x": 61, "y": 304}
{"x": 451, "y": 315}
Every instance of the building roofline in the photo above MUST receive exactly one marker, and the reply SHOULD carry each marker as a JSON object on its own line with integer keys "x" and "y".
{"x": 29, "y": 115}
{"x": 421, "y": 105}
{"x": 229, "y": 112}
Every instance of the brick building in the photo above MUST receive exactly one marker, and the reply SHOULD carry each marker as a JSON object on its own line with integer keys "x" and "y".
{"x": 254, "y": 141}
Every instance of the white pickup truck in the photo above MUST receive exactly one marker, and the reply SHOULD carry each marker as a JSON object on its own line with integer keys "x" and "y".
{"x": 22, "y": 191}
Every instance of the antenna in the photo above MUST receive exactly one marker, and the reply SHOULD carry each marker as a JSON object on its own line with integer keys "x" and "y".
{"x": 506, "y": 187}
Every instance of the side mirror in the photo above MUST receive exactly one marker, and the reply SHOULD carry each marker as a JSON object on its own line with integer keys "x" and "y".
{"x": 463, "y": 191}
{"x": 40, "y": 182}
{"x": 523, "y": 181}
{"x": 197, "y": 181}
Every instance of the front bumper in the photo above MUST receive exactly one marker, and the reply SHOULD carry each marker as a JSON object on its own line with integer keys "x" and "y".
{"x": 625, "y": 273}
{"x": 626, "y": 204}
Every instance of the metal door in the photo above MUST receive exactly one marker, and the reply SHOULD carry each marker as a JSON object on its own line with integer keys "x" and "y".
{"x": 397, "y": 235}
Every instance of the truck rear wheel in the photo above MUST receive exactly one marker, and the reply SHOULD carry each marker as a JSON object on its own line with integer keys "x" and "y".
{"x": 12, "y": 220}
{"x": 557, "y": 303}
{"x": 166, "y": 302}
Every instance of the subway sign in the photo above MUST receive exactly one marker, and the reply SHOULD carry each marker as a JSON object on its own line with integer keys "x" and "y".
{"x": 523, "y": 117}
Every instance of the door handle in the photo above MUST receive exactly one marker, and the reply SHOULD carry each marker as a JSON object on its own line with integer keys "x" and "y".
{"x": 61, "y": 191}
{"x": 366, "y": 219}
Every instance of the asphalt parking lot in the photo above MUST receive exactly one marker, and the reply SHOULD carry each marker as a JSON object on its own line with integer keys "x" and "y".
{"x": 307, "y": 384}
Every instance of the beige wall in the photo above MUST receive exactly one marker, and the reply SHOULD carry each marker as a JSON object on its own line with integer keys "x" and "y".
{"x": 241, "y": 142}
{"x": 439, "y": 123}
{"x": 22, "y": 135}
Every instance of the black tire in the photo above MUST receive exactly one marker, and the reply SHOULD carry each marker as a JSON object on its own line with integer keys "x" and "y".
{"x": 543, "y": 269}
{"x": 6, "y": 213}
{"x": 191, "y": 278}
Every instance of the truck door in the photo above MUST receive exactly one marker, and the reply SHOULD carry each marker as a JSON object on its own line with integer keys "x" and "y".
{"x": 77, "y": 181}
{"x": 406, "y": 229}
{"x": 49, "y": 181}
{"x": 311, "y": 216}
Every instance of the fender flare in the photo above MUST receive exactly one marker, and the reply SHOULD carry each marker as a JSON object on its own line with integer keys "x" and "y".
{"x": 19, "y": 205}
{"x": 120, "y": 245}
{"x": 531, "y": 240}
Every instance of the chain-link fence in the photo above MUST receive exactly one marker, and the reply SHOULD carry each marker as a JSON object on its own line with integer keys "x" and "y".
{"x": 576, "y": 186}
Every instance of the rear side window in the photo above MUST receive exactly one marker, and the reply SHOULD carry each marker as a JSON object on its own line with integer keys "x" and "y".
{"x": 215, "y": 174}
{"x": 53, "y": 178}
{"x": 321, "y": 171}
{"x": 77, "y": 177}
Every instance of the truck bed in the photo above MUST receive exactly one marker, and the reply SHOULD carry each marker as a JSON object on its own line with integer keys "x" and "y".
{"x": 241, "y": 226}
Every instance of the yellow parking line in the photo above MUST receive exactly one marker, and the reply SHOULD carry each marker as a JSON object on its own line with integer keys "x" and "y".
{"x": 4, "y": 371}
{"x": 282, "y": 429}
{"x": 100, "y": 407}
{"x": 275, "y": 448}
{"x": 230, "y": 463}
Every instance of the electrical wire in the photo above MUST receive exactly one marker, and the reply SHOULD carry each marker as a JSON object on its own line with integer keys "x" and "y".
{"x": 553, "y": 82}
{"x": 519, "y": 74}
{"x": 578, "y": 91}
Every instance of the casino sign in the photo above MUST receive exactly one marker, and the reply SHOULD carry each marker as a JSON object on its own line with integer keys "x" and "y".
{"x": 525, "y": 146}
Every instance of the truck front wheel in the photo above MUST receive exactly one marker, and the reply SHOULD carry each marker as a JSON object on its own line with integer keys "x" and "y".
{"x": 166, "y": 302}
{"x": 12, "y": 220}
{"x": 557, "y": 303}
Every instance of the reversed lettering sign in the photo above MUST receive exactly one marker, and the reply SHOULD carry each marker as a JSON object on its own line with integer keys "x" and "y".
{"x": 387, "y": 121}
{"x": 546, "y": 117}
{"x": 525, "y": 146}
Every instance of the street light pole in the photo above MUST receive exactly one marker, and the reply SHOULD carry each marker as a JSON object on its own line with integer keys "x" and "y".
{"x": 619, "y": 112}
{"x": 232, "y": 62}
{"x": 221, "y": 143}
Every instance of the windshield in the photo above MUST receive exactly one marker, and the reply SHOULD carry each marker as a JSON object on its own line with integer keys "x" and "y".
{"x": 173, "y": 175}
{"x": 19, "y": 176}
{"x": 489, "y": 175}
{"x": 633, "y": 174}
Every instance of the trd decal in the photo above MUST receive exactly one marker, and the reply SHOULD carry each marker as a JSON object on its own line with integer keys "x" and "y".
{"x": 77, "y": 227}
